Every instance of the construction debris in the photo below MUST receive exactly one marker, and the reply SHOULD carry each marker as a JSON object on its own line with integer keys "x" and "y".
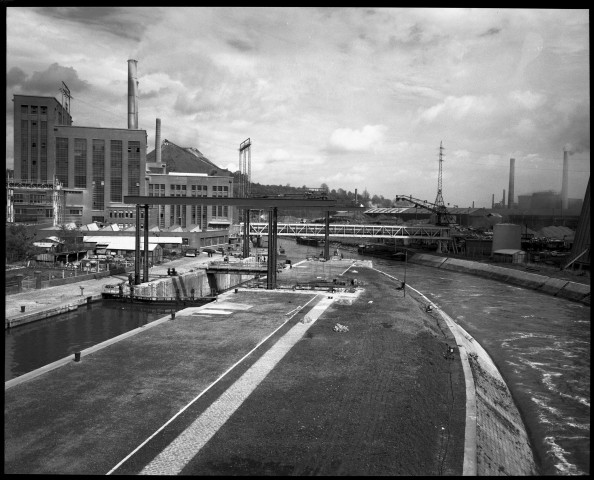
{"x": 340, "y": 328}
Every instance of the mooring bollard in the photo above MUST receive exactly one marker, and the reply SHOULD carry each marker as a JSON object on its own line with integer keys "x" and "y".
{"x": 172, "y": 315}
{"x": 81, "y": 290}
{"x": 77, "y": 356}
{"x": 22, "y": 308}
{"x": 236, "y": 290}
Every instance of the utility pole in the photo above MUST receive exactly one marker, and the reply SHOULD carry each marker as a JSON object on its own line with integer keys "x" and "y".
{"x": 404, "y": 282}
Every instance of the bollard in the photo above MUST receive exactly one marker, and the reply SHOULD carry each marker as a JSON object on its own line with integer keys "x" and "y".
{"x": 77, "y": 356}
{"x": 22, "y": 308}
{"x": 172, "y": 315}
{"x": 236, "y": 290}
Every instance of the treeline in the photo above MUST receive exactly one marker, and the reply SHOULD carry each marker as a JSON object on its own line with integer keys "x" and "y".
{"x": 343, "y": 196}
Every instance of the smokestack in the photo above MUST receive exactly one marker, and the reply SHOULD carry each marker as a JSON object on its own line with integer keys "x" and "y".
{"x": 503, "y": 199}
{"x": 132, "y": 96}
{"x": 564, "y": 200}
{"x": 512, "y": 169}
{"x": 158, "y": 143}
{"x": 493, "y": 200}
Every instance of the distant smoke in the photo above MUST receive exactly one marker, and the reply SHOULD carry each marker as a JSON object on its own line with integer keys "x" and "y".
{"x": 569, "y": 148}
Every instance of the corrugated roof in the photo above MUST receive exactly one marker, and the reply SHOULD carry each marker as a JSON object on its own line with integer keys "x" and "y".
{"x": 556, "y": 232}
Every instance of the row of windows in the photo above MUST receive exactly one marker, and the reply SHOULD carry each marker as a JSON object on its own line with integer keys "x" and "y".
{"x": 48, "y": 212}
{"x": 32, "y": 198}
{"x": 33, "y": 110}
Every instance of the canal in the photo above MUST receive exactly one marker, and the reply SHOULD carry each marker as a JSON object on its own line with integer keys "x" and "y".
{"x": 540, "y": 344}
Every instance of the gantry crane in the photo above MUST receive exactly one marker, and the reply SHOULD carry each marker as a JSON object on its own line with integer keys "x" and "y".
{"x": 443, "y": 216}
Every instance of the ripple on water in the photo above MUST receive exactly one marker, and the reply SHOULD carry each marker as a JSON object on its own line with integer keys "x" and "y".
{"x": 563, "y": 466}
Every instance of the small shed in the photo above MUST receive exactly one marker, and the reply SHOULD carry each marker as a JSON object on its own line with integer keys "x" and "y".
{"x": 509, "y": 255}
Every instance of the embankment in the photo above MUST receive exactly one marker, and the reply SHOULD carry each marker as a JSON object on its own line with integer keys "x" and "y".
{"x": 553, "y": 286}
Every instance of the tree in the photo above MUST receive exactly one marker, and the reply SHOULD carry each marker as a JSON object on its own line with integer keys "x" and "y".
{"x": 19, "y": 243}
{"x": 69, "y": 238}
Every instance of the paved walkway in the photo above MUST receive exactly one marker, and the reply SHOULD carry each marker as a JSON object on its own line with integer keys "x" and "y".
{"x": 186, "y": 446}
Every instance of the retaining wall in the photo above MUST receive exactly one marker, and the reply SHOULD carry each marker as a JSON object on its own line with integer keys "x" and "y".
{"x": 182, "y": 285}
{"x": 553, "y": 286}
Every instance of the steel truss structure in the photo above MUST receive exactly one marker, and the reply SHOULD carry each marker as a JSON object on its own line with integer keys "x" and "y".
{"x": 422, "y": 232}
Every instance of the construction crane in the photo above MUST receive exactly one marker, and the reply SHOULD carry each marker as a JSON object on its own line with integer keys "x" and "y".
{"x": 443, "y": 216}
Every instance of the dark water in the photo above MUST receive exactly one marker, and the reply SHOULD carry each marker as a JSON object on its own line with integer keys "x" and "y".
{"x": 540, "y": 344}
{"x": 31, "y": 346}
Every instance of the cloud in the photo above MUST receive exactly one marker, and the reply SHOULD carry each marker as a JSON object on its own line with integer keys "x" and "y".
{"x": 129, "y": 23}
{"x": 490, "y": 32}
{"x": 369, "y": 138}
{"x": 527, "y": 99}
{"x": 459, "y": 107}
{"x": 47, "y": 82}
{"x": 14, "y": 77}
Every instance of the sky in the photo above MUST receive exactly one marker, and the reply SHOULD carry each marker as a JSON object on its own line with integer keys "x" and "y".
{"x": 355, "y": 98}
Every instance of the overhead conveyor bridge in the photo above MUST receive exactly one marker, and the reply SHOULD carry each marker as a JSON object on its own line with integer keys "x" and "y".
{"x": 421, "y": 232}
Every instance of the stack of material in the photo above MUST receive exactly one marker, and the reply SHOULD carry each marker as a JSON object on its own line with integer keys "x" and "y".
{"x": 340, "y": 328}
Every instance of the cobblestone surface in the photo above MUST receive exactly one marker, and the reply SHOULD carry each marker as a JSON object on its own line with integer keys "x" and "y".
{"x": 173, "y": 458}
{"x": 503, "y": 447}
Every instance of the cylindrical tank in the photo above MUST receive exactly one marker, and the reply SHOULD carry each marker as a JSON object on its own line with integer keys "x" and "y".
{"x": 507, "y": 236}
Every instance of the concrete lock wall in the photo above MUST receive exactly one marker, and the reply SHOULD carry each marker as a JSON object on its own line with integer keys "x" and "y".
{"x": 182, "y": 285}
{"x": 552, "y": 286}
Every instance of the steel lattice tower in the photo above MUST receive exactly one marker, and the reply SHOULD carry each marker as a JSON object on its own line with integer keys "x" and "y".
{"x": 439, "y": 197}
{"x": 245, "y": 168}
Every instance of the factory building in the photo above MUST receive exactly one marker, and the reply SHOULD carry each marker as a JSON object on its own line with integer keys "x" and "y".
{"x": 91, "y": 169}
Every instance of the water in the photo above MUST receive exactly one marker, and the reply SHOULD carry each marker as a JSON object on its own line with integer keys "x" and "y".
{"x": 540, "y": 344}
{"x": 31, "y": 346}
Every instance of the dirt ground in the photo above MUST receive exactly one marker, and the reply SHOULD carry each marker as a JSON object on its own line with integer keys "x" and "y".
{"x": 380, "y": 399}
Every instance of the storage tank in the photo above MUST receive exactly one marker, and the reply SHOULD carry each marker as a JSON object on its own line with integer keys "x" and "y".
{"x": 507, "y": 236}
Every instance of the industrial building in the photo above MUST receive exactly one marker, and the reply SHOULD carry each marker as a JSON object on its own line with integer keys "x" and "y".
{"x": 85, "y": 171}
{"x": 65, "y": 174}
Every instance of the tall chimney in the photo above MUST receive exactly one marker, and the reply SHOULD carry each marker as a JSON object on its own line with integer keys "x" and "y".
{"x": 564, "y": 201}
{"x": 510, "y": 193}
{"x": 493, "y": 200}
{"x": 132, "y": 96}
{"x": 503, "y": 199}
{"x": 158, "y": 143}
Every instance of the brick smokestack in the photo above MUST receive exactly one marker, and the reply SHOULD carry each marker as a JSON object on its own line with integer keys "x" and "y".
{"x": 132, "y": 95}
{"x": 158, "y": 143}
{"x": 503, "y": 199}
{"x": 510, "y": 193}
{"x": 564, "y": 201}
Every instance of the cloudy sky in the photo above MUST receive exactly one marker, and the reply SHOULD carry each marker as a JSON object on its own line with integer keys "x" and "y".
{"x": 352, "y": 97}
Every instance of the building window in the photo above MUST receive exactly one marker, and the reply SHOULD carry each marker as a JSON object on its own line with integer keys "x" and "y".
{"x": 62, "y": 160}
{"x": 98, "y": 174}
{"x": 24, "y": 150}
{"x": 133, "y": 168}
{"x": 43, "y": 152}
{"x": 80, "y": 163}
{"x": 24, "y": 109}
{"x": 33, "y": 109}
{"x": 44, "y": 110}
{"x": 116, "y": 171}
